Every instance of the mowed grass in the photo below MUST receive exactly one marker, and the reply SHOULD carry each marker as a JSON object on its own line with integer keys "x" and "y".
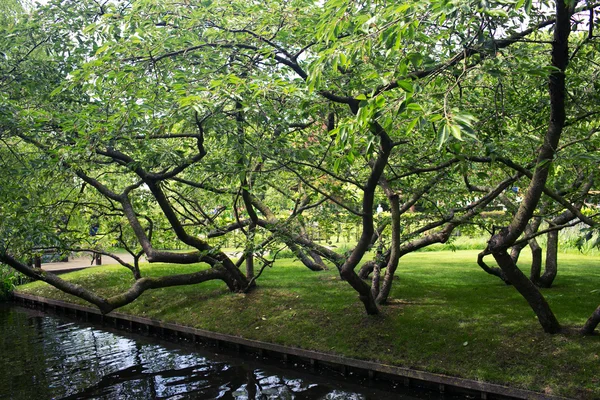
{"x": 446, "y": 316}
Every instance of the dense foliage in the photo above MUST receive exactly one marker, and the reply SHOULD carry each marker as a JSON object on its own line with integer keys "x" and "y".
{"x": 145, "y": 124}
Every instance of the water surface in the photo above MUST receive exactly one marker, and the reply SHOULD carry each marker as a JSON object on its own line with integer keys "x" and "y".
{"x": 48, "y": 357}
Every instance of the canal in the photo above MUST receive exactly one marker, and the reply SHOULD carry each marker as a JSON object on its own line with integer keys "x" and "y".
{"x": 48, "y": 357}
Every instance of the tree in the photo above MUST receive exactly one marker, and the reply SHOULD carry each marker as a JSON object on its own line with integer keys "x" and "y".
{"x": 174, "y": 112}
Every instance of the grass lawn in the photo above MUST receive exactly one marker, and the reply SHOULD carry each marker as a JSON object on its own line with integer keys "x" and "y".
{"x": 447, "y": 316}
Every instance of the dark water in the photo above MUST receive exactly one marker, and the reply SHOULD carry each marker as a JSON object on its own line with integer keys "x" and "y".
{"x": 45, "y": 357}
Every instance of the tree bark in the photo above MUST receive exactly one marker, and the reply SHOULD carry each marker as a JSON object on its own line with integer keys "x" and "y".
{"x": 317, "y": 259}
{"x": 249, "y": 250}
{"x": 491, "y": 270}
{"x": 591, "y": 323}
{"x": 107, "y": 305}
{"x": 529, "y": 291}
{"x": 551, "y": 268}
{"x": 347, "y": 271}
{"x": 217, "y": 258}
{"x": 303, "y": 256}
{"x": 367, "y": 268}
{"x": 501, "y": 241}
{"x": 375, "y": 281}
{"x": 515, "y": 251}
{"x": 394, "y": 258}
{"x": 536, "y": 261}
{"x": 531, "y": 228}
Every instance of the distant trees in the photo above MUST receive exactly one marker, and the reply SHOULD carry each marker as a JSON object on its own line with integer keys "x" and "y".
{"x": 174, "y": 123}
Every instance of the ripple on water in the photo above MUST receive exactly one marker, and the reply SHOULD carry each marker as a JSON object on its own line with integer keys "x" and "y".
{"x": 44, "y": 357}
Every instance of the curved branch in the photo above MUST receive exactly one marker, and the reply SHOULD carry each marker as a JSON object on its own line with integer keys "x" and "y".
{"x": 107, "y": 305}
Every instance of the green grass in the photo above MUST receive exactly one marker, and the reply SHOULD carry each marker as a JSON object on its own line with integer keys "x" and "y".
{"x": 447, "y": 316}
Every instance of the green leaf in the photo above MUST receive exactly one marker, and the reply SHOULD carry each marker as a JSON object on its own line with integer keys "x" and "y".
{"x": 443, "y": 136}
{"x": 416, "y": 59}
{"x": 456, "y": 131}
{"x": 406, "y": 86}
{"x": 414, "y": 107}
{"x": 56, "y": 91}
{"x": 412, "y": 125}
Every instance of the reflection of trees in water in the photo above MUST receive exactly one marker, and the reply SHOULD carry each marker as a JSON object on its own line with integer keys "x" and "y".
{"x": 22, "y": 368}
{"x": 44, "y": 357}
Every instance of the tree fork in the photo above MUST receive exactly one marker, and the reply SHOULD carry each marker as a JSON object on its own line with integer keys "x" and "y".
{"x": 491, "y": 270}
{"x": 347, "y": 271}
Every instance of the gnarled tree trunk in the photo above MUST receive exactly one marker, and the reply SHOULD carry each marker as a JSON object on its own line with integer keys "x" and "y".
{"x": 347, "y": 270}
{"x": 491, "y": 270}
{"x": 367, "y": 268}
{"x": 529, "y": 291}
{"x": 501, "y": 241}
{"x": 591, "y": 323}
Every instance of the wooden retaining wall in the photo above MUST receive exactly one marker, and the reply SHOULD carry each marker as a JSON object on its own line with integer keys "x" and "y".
{"x": 313, "y": 359}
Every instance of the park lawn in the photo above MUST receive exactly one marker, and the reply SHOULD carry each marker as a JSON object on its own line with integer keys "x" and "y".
{"x": 446, "y": 316}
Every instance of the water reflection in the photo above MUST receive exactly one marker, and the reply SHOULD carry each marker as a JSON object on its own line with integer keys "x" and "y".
{"x": 44, "y": 357}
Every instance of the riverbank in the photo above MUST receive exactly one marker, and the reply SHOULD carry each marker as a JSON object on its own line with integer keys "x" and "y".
{"x": 447, "y": 317}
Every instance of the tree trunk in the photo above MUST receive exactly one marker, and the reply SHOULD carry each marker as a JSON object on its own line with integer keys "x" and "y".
{"x": 491, "y": 270}
{"x": 501, "y": 241}
{"x": 366, "y": 269}
{"x": 392, "y": 264}
{"x": 375, "y": 281}
{"x": 529, "y": 291}
{"x": 536, "y": 261}
{"x": 249, "y": 266}
{"x": 236, "y": 282}
{"x": 140, "y": 286}
{"x": 591, "y": 323}
{"x": 531, "y": 228}
{"x": 317, "y": 258}
{"x": 551, "y": 269}
{"x": 515, "y": 251}
{"x": 347, "y": 270}
{"x": 364, "y": 290}
{"x": 303, "y": 256}
{"x": 136, "y": 266}
{"x": 250, "y": 254}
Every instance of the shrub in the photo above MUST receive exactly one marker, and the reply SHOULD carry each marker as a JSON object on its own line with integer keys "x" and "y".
{"x": 9, "y": 278}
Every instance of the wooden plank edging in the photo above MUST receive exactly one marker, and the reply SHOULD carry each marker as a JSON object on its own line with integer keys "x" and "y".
{"x": 369, "y": 366}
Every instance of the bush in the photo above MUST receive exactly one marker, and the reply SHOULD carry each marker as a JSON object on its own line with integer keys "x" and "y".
{"x": 459, "y": 243}
{"x": 9, "y": 278}
{"x": 285, "y": 253}
{"x": 344, "y": 248}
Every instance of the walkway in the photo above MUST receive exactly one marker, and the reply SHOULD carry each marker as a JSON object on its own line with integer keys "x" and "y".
{"x": 84, "y": 261}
